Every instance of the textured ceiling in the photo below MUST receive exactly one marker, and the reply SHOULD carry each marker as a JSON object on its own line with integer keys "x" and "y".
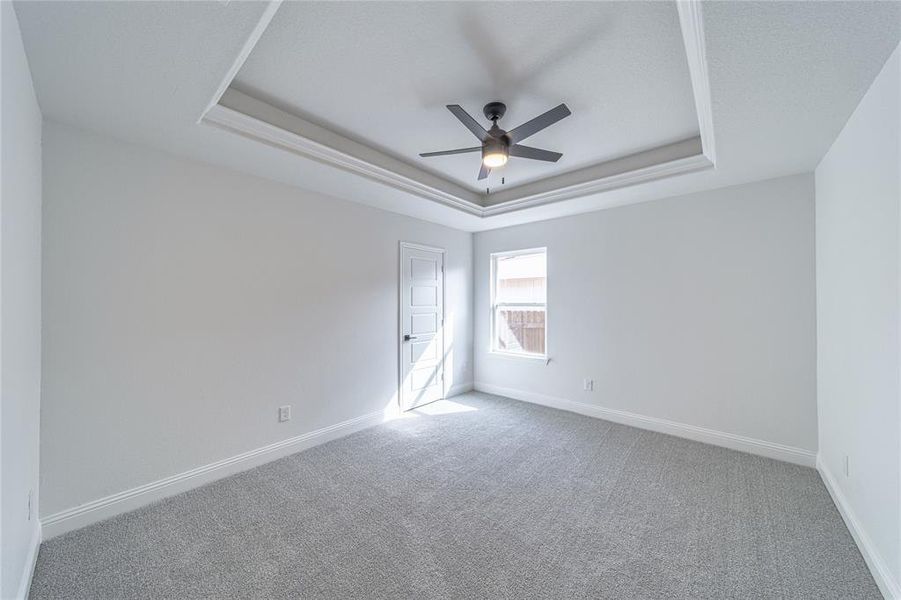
{"x": 784, "y": 78}
{"x": 787, "y": 75}
{"x": 382, "y": 73}
{"x": 132, "y": 68}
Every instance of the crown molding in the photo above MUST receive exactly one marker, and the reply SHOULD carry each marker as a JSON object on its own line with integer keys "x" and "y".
{"x": 664, "y": 161}
{"x": 238, "y": 112}
{"x": 248, "y": 46}
{"x": 669, "y": 168}
{"x": 691, "y": 21}
{"x": 259, "y": 130}
{"x": 603, "y": 176}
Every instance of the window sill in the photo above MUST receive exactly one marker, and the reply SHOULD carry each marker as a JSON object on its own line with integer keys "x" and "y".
{"x": 526, "y": 357}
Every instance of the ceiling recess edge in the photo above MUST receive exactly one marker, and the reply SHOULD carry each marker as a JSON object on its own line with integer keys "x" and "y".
{"x": 252, "y": 118}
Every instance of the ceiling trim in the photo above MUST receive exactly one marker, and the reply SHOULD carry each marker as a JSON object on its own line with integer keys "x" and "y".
{"x": 261, "y": 131}
{"x": 679, "y": 166}
{"x": 249, "y": 44}
{"x": 594, "y": 178}
{"x": 692, "y": 24}
{"x": 255, "y": 119}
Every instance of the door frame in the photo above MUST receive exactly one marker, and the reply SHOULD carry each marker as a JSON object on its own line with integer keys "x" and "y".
{"x": 400, "y": 320}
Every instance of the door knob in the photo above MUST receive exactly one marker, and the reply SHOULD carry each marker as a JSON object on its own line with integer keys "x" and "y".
{"x": 409, "y": 337}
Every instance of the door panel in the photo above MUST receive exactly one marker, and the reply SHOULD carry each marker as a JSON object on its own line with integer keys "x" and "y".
{"x": 423, "y": 324}
{"x": 422, "y": 270}
{"x": 422, "y": 335}
{"x": 423, "y": 295}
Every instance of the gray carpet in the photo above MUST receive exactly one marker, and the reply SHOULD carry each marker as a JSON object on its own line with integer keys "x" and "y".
{"x": 508, "y": 500}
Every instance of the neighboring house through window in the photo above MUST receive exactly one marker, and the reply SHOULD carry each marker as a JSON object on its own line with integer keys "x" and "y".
{"x": 519, "y": 302}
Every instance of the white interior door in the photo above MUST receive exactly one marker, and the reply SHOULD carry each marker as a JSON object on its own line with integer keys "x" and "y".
{"x": 421, "y": 325}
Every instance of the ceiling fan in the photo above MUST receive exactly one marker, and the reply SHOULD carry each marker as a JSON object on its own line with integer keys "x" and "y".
{"x": 498, "y": 145}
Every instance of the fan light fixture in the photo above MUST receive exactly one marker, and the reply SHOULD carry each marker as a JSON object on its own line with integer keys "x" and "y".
{"x": 494, "y": 151}
{"x": 499, "y": 145}
{"x": 495, "y": 159}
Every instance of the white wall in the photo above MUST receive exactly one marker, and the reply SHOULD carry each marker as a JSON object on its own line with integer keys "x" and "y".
{"x": 697, "y": 310}
{"x": 184, "y": 303}
{"x": 20, "y": 308}
{"x": 858, "y": 192}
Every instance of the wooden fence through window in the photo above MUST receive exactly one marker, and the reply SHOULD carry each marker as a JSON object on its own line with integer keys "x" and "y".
{"x": 524, "y": 331}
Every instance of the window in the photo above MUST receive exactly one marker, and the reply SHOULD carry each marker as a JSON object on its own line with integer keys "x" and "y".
{"x": 519, "y": 302}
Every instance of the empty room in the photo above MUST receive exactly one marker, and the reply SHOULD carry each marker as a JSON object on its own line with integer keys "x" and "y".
{"x": 450, "y": 300}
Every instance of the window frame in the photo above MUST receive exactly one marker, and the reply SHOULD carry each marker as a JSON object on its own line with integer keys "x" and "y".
{"x": 493, "y": 305}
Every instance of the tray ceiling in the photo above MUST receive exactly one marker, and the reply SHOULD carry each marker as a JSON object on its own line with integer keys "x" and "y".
{"x": 380, "y": 75}
{"x": 778, "y": 80}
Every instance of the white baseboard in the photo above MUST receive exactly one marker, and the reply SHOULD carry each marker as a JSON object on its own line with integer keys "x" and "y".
{"x": 460, "y": 388}
{"x": 877, "y": 565}
{"x": 31, "y": 560}
{"x": 791, "y": 454}
{"x": 104, "y": 508}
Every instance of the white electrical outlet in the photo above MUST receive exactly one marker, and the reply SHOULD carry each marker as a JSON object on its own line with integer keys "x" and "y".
{"x": 588, "y": 385}
{"x": 847, "y": 466}
{"x": 284, "y": 413}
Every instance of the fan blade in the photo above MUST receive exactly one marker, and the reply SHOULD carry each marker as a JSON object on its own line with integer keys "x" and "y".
{"x": 538, "y": 123}
{"x": 483, "y": 172}
{"x": 446, "y": 152}
{"x": 534, "y": 153}
{"x": 470, "y": 123}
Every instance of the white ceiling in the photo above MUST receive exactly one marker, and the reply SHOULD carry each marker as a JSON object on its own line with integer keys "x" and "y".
{"x": 382, "y": 73}
{"x": 784, "y": 77}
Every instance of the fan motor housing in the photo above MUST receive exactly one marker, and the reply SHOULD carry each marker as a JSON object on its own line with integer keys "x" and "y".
{"x": 495, "y": 145}
{"x": 494, "y": 110}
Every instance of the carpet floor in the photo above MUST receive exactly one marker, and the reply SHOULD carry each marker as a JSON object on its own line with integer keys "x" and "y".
{"x": 478, "y": 497}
